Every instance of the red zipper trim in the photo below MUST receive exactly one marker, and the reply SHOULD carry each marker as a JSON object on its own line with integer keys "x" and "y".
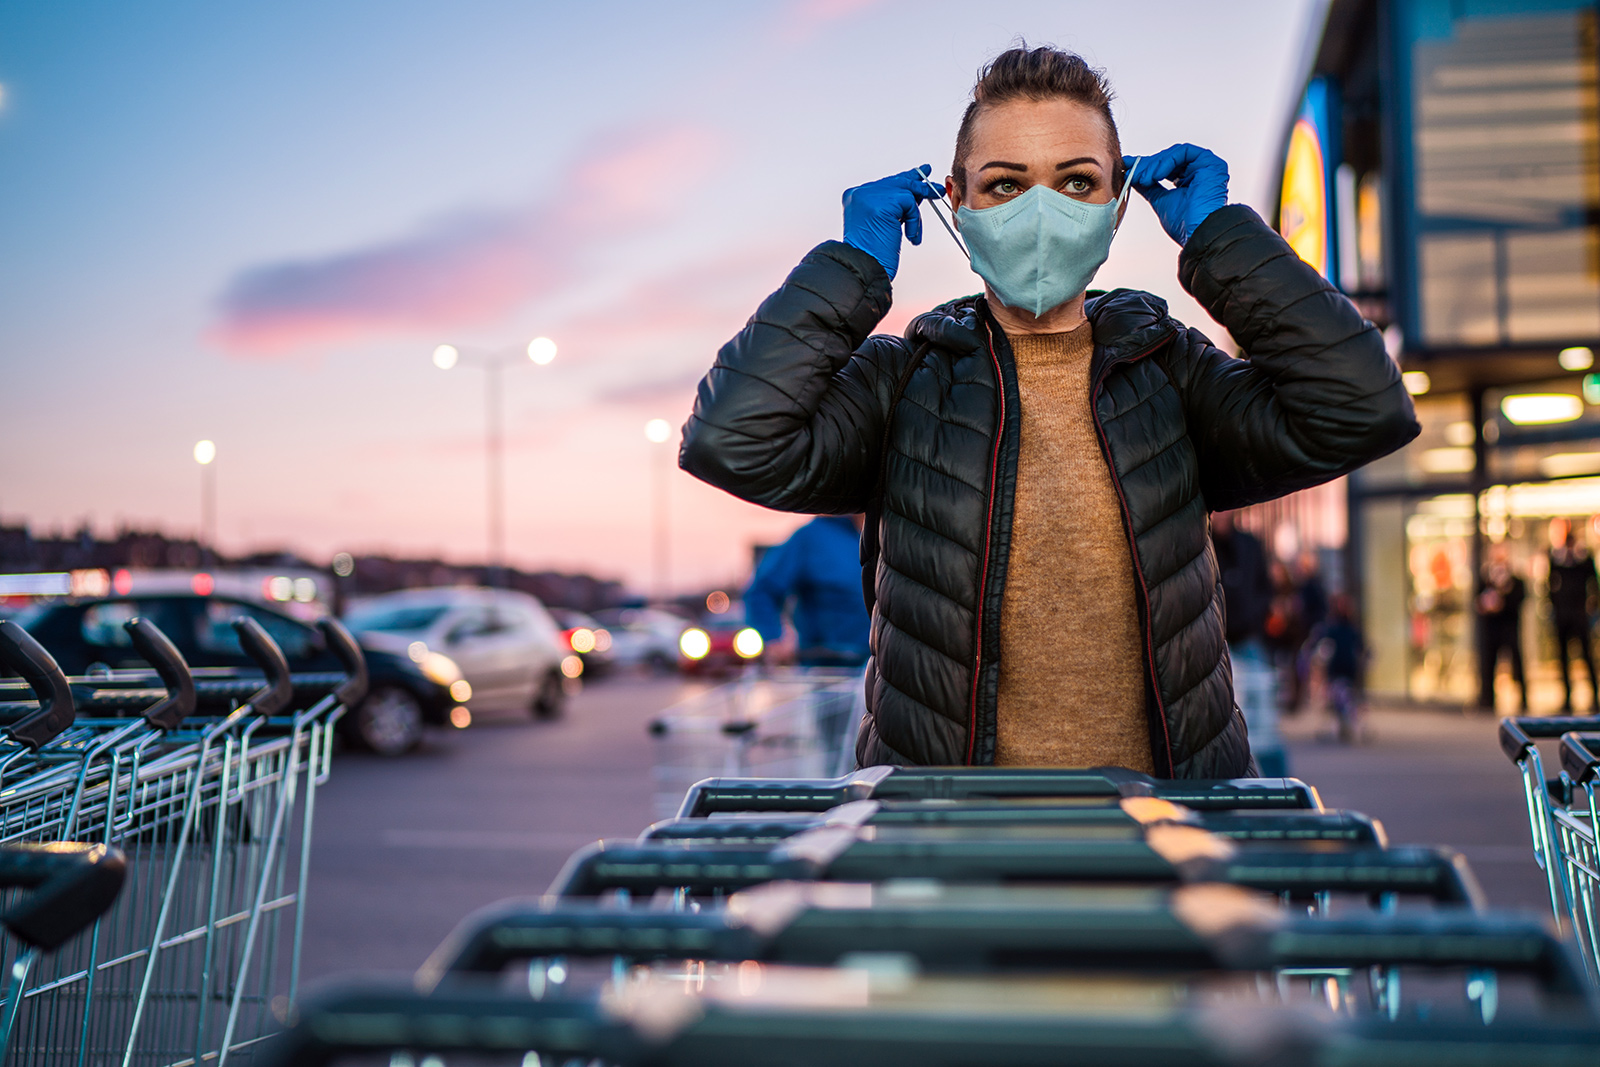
{"x": 988, "y": 538}
{"x": 1133, "y": 550}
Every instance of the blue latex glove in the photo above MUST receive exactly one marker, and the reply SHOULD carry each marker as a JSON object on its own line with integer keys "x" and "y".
{"x": 875, "y": 213}
{"x": 1201, "y": 180}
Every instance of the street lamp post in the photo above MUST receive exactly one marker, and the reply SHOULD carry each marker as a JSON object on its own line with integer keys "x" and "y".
{"x": 540, "y": 350}
{"x": 656, "y": 431}
{"x": 205, "y": 454}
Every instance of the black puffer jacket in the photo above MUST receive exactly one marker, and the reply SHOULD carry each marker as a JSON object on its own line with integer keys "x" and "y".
{"x": 795, "y": 415}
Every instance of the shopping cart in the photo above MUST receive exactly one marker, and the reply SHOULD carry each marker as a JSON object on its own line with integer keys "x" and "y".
{"x": 67, "y": 887}
{"x": 1562, "y": 819}
{"x": 778, "y": 1015}
{"x": 724, "y": 795}
{"x": 796, "y": 722}
{"x": 215, "y": 813}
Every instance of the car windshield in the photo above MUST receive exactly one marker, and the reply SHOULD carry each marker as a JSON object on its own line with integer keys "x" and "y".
{"x": 402, "y": 619}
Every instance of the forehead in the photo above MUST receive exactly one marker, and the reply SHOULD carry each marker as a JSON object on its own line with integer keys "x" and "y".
{"x": 1040, "y": 132}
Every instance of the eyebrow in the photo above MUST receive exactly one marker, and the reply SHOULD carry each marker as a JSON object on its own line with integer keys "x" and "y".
{"x": 1004, "y": 165}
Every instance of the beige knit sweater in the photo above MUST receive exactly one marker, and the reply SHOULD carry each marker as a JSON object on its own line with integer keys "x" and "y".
{"x": 1072, "y": 670}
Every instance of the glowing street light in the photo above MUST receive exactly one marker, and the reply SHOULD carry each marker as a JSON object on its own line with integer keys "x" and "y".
{"x": 657, "y": 431}
{"x": 540, "y": 350}
{"x": 205, "y": 454}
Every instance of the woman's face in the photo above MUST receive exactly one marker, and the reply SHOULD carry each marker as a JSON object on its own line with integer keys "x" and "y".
{"x": 1022, "y": 143}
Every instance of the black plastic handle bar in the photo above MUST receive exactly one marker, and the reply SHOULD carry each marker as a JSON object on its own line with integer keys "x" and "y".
{"x": 1580, "y": 756}
{"x": 1271, "y": 826}
{"x": 20, "y": 652}
{"x": 840, "y": 854}
{"x": 1007, "y": 933}
{"x": 72, "y": 885}
{"x": 278, "y": 693}
{"x": 348, "y": 652}
{"x": 714, "y": 795}
{"x": 1518, "y": 734}
{"x": 159, "y": 651}
{"x": 805, "y": 1024}
{"x": 644, "y": 868}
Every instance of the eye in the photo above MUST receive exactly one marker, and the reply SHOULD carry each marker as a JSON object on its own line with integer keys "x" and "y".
{"x": 1078, "y": 185}
{"x": 1005, "y": 187}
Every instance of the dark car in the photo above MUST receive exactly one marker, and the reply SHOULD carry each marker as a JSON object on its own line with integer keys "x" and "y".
{"x": 720, "y": 644}
{"x": 85, "y": 635}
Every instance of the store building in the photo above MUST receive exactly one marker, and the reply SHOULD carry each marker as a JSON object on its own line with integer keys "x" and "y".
{"x": 1443, "y": 169}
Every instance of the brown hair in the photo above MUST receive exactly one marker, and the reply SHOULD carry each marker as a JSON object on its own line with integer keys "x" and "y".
{"x": 1045, "y": 73}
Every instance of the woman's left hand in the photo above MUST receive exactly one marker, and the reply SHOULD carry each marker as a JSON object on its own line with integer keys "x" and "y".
{"x": 1200, "y": 178}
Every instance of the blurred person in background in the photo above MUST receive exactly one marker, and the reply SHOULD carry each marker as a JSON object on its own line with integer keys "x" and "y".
{"x": 1037, "y": 463}
{"x": 1574, "y": 589}
{"x": 1284, "y": 634}
{"x": 1342, "y": 651}
{"x": 815, "y": 578}
{"x": 1499, "y": 604}
{"x": 1247, "y": 595}
{"x": 1312, "y": 596}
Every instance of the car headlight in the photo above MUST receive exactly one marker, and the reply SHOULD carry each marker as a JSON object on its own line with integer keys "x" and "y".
{"x": 747, "y": 642}
{"x": 695, "y": 643}
{"x": 440, "y": 668}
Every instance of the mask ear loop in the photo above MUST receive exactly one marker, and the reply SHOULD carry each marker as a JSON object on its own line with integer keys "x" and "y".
{"x": 938, "y": 203}
{"x": 1127, "y": 184}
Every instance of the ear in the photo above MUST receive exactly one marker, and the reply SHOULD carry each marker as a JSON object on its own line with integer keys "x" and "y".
{"x": 953, "y": 193}
{"x": 1123, "y": 210}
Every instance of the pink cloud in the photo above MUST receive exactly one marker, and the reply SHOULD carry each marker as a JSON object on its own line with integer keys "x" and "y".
{"x": 804, "y": 19}
{"x": 465, "y": 270}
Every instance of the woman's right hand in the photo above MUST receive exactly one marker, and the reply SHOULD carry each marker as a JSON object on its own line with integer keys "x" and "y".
{"x": 875, "y": 213}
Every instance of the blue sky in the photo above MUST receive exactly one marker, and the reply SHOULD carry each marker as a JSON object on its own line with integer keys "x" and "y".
{"x": 253, "y": 223}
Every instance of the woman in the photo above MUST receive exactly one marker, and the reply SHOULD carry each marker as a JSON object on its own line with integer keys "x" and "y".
{"x": 1037, "y": 464}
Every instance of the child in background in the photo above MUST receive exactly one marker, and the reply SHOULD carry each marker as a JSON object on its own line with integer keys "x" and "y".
{"x": 1343, "y": 652}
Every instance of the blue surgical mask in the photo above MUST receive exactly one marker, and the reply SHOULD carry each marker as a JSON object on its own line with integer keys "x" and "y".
{"x": 1040, "y": 249}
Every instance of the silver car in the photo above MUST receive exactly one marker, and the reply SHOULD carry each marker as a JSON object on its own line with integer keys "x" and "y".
{"x": 508, "y": 649}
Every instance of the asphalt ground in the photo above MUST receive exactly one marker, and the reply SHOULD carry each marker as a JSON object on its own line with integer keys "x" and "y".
{"x": 405, "y": 848}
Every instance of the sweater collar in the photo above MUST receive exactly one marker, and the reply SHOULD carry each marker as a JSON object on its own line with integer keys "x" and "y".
{"x": 1127, "y": 323}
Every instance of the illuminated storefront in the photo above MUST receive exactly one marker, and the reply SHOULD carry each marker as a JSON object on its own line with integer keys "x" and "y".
{"x": 1443, "y": 169}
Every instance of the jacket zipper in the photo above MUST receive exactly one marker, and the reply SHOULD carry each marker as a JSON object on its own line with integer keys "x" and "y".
{"x": 1133, "y": 551}
{"x": 988, "y": 539}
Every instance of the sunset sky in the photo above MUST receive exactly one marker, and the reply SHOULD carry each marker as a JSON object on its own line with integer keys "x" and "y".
{"x": 253, "y": 223}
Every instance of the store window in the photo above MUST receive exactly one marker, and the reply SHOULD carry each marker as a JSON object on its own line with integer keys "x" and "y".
{"x": 1507, "y": 157}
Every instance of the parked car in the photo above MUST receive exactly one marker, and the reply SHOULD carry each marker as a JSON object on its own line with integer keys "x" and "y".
{"x": 719, "y": 644}
{"x": 586, "y": 638}
{"x": 643, "y": 637}
{"x": 407, "y": 694}
{"x": 505, "y": 643}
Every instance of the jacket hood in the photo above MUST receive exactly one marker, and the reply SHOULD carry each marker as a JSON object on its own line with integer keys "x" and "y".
{"x": 1126, "y": 321}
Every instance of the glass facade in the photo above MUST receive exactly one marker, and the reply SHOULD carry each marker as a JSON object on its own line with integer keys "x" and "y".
{"x": 1506, "y": 190}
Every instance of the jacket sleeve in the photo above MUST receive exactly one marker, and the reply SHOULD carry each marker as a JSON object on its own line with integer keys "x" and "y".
{"x": 1316, "y": 395}
{"x": 790, "y": 414}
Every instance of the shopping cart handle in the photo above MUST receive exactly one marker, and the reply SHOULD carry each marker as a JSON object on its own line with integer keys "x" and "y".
{"x": 1441, "y": 939}
{"x": 278, "y": 693}
{"x": 20, "y": 652}
{"x": 158, "y": 650}
{"x": 514, "y": 931}
{"x": 73, "y": 885}
{"x": 1580, "y": 756}
{"x": 712, "y": 795}
{"x": 351, "y": 658}
{"x": 693, "y": 866}
{"x": 1517, "y": 734}
{"x": 1438, "y": 873}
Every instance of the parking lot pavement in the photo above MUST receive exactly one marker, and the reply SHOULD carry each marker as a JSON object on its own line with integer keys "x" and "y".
{"x": 1436, "y": 778}
{"x": 405, "y": 848}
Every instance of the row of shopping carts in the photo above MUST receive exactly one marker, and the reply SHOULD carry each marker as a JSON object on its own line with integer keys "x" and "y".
{"x": 1563, "y": 814}
{"x": 194, "y": 791}
{"x": 963, "y": 917}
